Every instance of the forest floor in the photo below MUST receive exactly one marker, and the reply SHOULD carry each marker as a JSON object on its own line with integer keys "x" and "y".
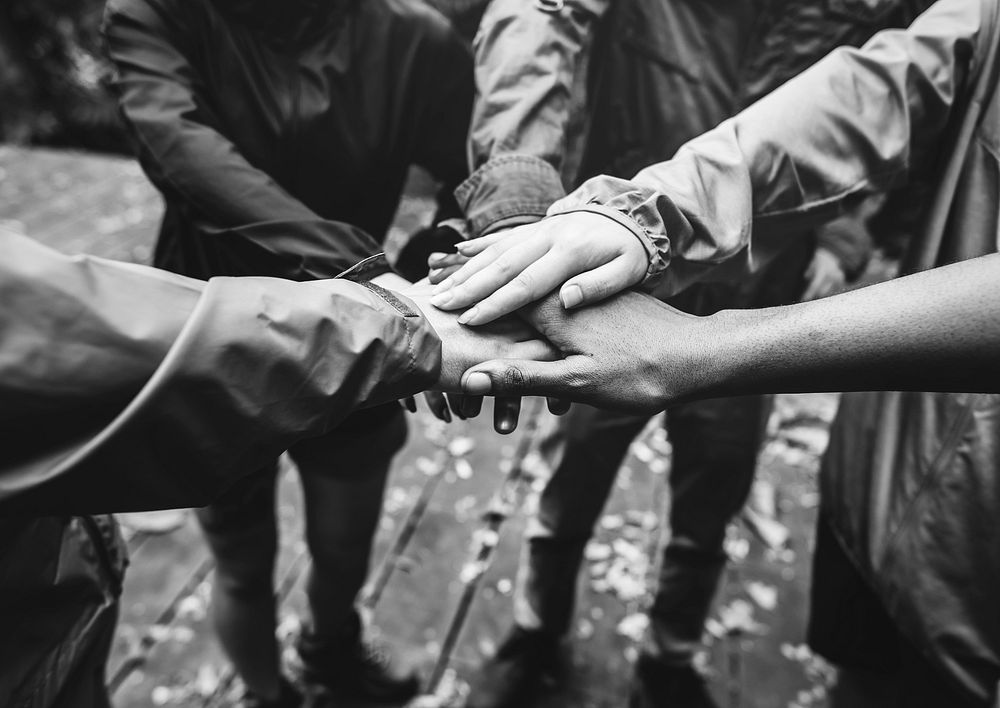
{"x": 446, "y": 552}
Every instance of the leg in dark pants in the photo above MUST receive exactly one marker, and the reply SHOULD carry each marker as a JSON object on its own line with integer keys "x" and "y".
{"x": 343, "y": 476}
{"x": 585, "y": 451}
{"x": 715, "y": 446}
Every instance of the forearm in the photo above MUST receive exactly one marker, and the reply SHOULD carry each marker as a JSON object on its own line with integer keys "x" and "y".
{"x": 932, "y": 331}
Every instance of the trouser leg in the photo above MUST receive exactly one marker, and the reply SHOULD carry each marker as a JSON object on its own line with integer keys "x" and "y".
{"x": 343, "y": 478}
{"x": 585, "y": 454}
{"x": 242, "y": 533}
{"x": 715, "y": 445}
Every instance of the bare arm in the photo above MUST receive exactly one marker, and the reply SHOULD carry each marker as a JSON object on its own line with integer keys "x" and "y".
{"x": 933, "y": 331}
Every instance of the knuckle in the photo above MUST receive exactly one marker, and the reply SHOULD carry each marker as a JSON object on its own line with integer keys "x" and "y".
{"x": 513, "y": 379}
{"x": 524, "y": 281}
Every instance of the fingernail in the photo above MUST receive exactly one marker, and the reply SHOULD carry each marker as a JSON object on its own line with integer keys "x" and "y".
{"x": 468, "y": 315}
{"x": 442, "y": 286}
{"x": 446, "y": 414}
{"x": 436, "y": 258}
{"x": 462, "y": 246}
{"x": 477, "y": 383}
{"x": 571, "y": 296}
{"x": 442, "y": 299}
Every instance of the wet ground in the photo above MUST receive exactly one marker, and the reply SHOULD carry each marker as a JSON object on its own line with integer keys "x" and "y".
{"x": 446, "y": 552}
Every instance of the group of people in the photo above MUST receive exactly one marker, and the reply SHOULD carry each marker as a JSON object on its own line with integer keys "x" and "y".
{"x": 633, "y": 194}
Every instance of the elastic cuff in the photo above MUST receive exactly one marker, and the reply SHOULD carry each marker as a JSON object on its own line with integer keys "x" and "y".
{"x": 657, "y": 264}
{"x": 507, "y": 188}
{"x": 366, "y": 269}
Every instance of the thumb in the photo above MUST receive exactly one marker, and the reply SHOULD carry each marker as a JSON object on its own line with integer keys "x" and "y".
{"x": 502, "y": 377}
{"x": 601, "y": 282}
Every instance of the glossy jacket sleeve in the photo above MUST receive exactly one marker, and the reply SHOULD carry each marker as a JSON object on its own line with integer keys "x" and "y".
{"x": 187, "y": 156}
{"x": 125, "y": 388}
{"x": 528, "y": 65}
{"x": 852, "y": 125}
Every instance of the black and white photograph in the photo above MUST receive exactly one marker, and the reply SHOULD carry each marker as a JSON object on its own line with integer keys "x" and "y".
{"x": 499, "y": 354}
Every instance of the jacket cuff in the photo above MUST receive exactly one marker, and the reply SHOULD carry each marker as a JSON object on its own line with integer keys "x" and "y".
{"x": 507, "y": 191}
{"x": 657, "y": 247}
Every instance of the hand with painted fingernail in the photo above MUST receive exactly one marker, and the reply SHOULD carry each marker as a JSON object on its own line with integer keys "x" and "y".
{"x": 587, "y": 256}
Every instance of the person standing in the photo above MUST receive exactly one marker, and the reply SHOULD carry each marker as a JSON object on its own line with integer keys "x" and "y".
{"x": 654, "y": 74}
{"x": 280, "y": 134}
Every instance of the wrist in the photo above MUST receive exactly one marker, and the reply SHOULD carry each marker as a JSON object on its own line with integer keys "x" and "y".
{"x": 722, "y": 351}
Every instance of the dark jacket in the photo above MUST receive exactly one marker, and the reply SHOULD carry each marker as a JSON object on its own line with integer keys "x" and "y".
{"x": 128, "y": 388}
{"x": 280, "y": 133}
{"x": 911, "y": 484}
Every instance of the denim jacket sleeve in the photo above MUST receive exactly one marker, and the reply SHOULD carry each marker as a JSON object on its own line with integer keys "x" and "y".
{"x": 124, "y": 387}
{"x": 854, "y": 124}
{"x": 529, "y": 58}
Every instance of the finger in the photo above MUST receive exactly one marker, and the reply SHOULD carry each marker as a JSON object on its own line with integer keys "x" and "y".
{"x": 409, "y": 404}
{"x": 530, "y": 349}
{"x": 456, "y": 402}
{"x": 557, "y": 406}
{"x": 441, "y": 260}
{"x": 477, "y": 263}
{"x": 564, "y": 378}
{"x": 438, "y": 275}
{"x": 438, "y": 405}
{"x": 601, "y": 282}
{"x": 472, "y": 405}
{"x": 506, "y": 411}
{"x": 528, "y": 283}
{"x": 477, "y": 245}
{"x": 496, "y": 255}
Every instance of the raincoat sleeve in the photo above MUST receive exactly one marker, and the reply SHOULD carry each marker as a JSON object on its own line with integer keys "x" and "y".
{"x": 127, "y": 388}
{"x": 529, "y": 64}
{"x": 185, "y": 152}
{"x": 854, "y": 124}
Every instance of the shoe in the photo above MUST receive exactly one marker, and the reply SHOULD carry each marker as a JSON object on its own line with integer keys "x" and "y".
{"x": 355, "y": 668}
{"x": 525, "y": 662}
{"x": 288, "y": 698}
{"x": 657, "y": 685}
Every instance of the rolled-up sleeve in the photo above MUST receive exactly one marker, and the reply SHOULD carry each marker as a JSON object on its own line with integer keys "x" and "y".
{"x": 125, "y": 388}
{"x": 854, "y": 124}
{"x": 529, "y": 63}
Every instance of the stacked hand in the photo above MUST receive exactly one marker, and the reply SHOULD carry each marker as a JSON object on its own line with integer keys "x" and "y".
{"x": 587, "y": 256}
{"x": 631, "y": 353}
{"x": 463, "y": 347}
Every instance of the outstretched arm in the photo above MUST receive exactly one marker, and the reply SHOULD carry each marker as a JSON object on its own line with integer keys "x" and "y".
{"x": 937, "y": 330}
{"x": 123, "y": 387}
{"x": 854, "y": 124}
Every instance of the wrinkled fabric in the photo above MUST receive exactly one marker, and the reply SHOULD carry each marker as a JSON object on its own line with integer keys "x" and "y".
{"x": 125, "y": 388}
{"x": 910, "y": 482}
{"x": 282, "y": 149}
{"x": 162, "y": 388}
{"x": 857, "y": 137}
{"x": 592, "y": 87}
